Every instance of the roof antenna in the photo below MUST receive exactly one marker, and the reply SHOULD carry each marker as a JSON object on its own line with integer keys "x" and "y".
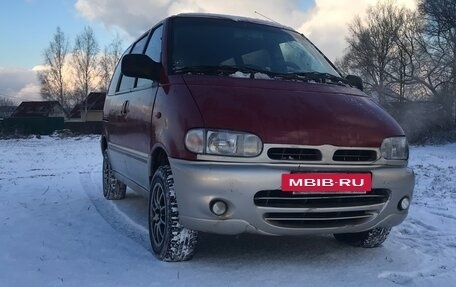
{"x": 256, "y": 12}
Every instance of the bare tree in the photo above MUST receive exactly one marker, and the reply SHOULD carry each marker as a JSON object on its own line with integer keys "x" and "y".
{"x": 53, "y": 86}
{"x": 85, "y": 64}
{"x": 439, "y": 49}
{"x": 405, "y": 73}
{"x": 6, "y": 102}
{"x": 372, "y": 47}
{"x": 108, "y": 61}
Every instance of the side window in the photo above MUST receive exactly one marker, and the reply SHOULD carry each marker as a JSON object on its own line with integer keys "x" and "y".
{"x": 127, "y": 83}
{"x": 153, "y": 51}
{"x": 114, "y": 80}
{"x": 138, "y": 48}
{"x": 154, "y": 48}
{"x": 116, "y": 76}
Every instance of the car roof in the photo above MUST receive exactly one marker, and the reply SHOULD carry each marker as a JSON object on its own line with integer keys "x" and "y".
{"x": 233, "y": 18}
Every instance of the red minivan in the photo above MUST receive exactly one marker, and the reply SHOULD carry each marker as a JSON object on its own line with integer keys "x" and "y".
{"x": 235, "y": 125}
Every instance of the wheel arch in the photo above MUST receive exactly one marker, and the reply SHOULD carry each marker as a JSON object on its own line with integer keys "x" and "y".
{"x": 158, "y": 157}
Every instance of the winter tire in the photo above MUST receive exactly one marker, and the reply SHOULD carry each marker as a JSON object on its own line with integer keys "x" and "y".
{"x": 170, "y": 241}
{"x": 113, "y": 189}
{"x": 367, "y": 239}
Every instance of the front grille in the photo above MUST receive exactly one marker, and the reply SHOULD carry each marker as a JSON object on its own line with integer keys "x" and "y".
{"x": 354, "y": 155}
{"x": 320, "y": 210}
{"x": 296, "y": 154}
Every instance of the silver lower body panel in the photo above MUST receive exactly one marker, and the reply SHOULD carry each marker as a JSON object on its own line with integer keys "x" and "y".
{"x": 256, "y": 204}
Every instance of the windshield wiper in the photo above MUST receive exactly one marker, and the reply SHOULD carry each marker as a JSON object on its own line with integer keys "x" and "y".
{"x": 216, "y": 70}
{"x": 295, "y": 76}
{"x": 326, "y": 78}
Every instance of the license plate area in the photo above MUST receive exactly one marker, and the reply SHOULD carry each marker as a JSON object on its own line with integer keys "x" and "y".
{"x": 308, "y": 182}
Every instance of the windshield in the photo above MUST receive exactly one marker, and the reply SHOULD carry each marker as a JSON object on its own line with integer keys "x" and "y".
{"x": 203, "y": 42}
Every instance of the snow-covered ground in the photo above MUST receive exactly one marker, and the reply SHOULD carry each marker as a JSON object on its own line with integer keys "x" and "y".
{"x": 57, "y": 230}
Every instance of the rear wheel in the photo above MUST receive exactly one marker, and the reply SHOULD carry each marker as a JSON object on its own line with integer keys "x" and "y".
{"x": 170, "y": 241}
{"x": 367, "y": 239}
{"x": 113, "y": 189}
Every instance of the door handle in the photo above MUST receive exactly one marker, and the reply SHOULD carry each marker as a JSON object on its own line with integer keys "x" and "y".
{"x": 125, "y": 109}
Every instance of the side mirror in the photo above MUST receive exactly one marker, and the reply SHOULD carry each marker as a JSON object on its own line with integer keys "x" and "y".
{"x": 355, "y": 81}
{"x": 140, "y": 66}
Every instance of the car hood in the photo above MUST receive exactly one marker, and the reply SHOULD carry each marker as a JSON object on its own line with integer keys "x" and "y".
{"x": 287, "y": 112}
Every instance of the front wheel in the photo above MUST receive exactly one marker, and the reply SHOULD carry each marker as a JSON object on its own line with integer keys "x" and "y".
{"x": 367, "y": 239}
{"x": 170, "y": 241}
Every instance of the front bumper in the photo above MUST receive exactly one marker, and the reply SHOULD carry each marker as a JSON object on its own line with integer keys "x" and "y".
{"x": 198, "y": 183}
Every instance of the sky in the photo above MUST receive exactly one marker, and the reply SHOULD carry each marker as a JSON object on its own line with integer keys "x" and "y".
{"x": 27, "y": 26}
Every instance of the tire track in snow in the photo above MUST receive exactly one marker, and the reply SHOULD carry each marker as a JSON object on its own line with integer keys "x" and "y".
{"x": 110, "y": 211}
{"x": 449, "y": 216}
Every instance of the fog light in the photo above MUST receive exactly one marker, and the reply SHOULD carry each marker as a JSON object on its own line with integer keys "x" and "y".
{"x": 218, "y": 207}
{"x": 404, "y": 203}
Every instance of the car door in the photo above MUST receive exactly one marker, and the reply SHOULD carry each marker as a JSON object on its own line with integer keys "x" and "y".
{"x": 118, "y": 120}
{"x": 138, "y": 114}
{"x": 113, "y": 119}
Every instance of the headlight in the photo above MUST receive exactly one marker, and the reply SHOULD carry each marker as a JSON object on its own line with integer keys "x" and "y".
{"x": 221, "y": 142}
{"x": 395, "y": 148}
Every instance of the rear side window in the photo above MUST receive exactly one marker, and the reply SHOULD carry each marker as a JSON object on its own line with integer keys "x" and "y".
{"x": 153, "y": 51}
{"x": 127, "y": 83}
{"x": 114, "y": 80}
{"x": 116, "y": 76}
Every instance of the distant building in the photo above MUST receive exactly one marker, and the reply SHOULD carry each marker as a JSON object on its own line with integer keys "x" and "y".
{"x": 94, "y": 104}
{"x": 41, "y": 118}
{"x": 43, "y": 109}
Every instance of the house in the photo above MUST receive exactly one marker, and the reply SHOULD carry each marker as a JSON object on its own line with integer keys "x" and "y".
{"x": 91, "y": 110}
{"x": 42, "y": 118}
{"x": 87, "y": 116}
{"x": 42, "y": 109}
